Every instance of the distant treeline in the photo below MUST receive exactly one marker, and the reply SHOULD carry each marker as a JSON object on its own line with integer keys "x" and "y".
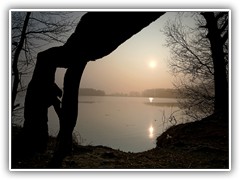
{"x": 91, "y": 92}
{"x": 161, "y": 93}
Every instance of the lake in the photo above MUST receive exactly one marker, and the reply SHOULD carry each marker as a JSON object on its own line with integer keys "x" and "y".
{"x": 130, "y": 124}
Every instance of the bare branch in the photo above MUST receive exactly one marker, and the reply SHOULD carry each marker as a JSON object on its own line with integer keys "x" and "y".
{"x": 191, "y": 62}
{"x": 43, "y": 28}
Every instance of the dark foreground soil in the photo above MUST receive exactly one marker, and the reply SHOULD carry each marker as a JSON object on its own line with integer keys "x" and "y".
{"x": 197, "y": 145}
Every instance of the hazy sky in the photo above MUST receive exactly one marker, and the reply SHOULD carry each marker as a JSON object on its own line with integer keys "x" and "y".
{"x": 138, "y": 64}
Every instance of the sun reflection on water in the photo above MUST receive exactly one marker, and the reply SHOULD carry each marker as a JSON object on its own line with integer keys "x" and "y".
{"x": 150, "y": 99}
{"x": 151, "y": 130}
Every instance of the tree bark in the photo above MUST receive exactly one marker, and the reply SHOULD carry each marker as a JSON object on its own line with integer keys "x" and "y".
{"x": 15, "y": 60}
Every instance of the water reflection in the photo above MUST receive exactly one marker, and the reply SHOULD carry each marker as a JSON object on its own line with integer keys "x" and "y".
{"x": 151, "y": 129}
{"x": 113, "y": 122}
{"x": 150, "y": 99}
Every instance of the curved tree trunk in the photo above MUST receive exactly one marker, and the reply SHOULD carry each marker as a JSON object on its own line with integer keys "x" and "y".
{"x": 97, "y": 35}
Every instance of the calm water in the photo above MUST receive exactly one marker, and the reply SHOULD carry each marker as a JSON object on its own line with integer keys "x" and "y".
{"x": 125, "y": 123}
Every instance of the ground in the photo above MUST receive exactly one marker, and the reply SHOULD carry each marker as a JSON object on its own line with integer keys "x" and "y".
{"x": 202, "y": 144}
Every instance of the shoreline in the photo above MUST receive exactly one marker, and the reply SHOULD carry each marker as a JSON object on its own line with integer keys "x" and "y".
{"x": 197, "y": 145}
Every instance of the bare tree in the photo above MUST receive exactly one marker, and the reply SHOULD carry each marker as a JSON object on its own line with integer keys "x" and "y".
{"x": 33, "y": 32}
{"x": 19, "y": 47}
{"x": 192, "y": 62}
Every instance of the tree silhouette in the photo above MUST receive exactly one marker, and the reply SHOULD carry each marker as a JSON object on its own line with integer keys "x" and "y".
{"x": 192, "y": 63}
{"x": 19, "y": 47}
{"x": 217, "y": 26}
{"x": 97, "y": 35}
{"x": 31, "y": 31}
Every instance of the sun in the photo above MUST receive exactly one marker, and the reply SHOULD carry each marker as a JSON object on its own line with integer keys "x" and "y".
{"x": 152, "y": 64}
